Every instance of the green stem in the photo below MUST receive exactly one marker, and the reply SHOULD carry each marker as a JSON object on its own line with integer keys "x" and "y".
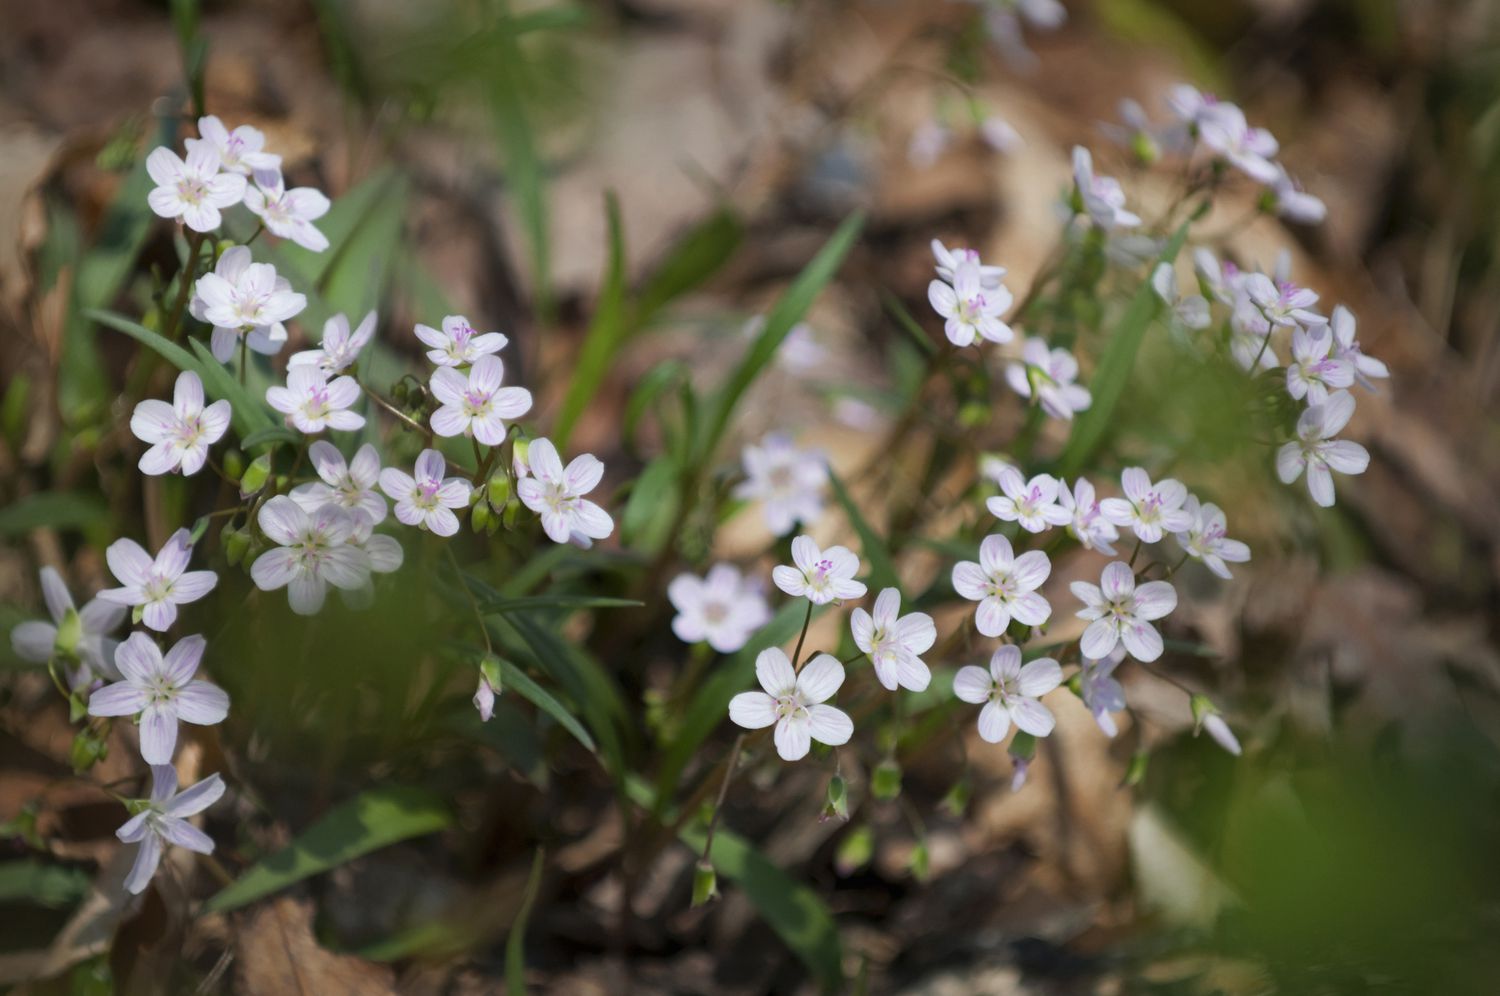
{"x": 713, "y": 820}
{"x": 797, "y": 654}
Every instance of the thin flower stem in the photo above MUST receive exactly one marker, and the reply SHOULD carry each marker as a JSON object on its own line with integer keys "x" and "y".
{"x": 473, "y": 602}
{"x": 1174, "y": 568}
{"x": 256, "y": 234}
{"x": 1135, "y": 553}
{"x": 713, "y": 821}
{"x": 410, "y": 422}
{"x": 184, "y": 287}
{"x": 244, "y": 358}
{"x": 1167, "y": 678}
{"x": 852, "y": 658}
{"x": 797, "y": 654}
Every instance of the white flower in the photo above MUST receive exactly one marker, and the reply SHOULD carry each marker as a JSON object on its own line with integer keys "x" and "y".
{"x": 1120, "y": 612}
{"x": 1087, "y": 523}
{"x": 240, "y": 151}
{"x": 1102, "y": 197}
{"x": 1346, "y": 348}
{"x": 822, "y": 575}
{"x": 1032, "y": 503}
{"x": 722, "y": 608}
{"x": 36, "y": 641}
{"x": 348, "y": 485}
{"x": 1149, "y": 509}
{"x": 1191, "y": 105}
{"x": 788, "y": 480}
{"x": 385, "y": 552}
{"x": 1191, "y": 310}
{"x": 428, "y": 499}
{"x": 927, "y": 144}
{"x": 1000, "y": 135}
{"x": 949, "y": 260}
{"x": 180, "y": 433}
{"x": 161, "y": 691}
{"x": 242, "y": 298}
{"x": 312, "y": 402}
{"x": 288, "y": 214}
{"x": 340, "y": 349}
{"x": 1290, "y": 201}
{"x": 992, "y": 465}
{"x": 1002, "y": 22}
{"x": 556, "y": 494}
{"x": 1312, "y": 370}
{"x": 194, "y": 190}
{"x": 794, "y": 703}
{"x": 157, "y": 586}
{"x": 477, "y": 405}
{"x": 1283, "y": 302}
{"x": 893, "y": 641}
{"x": 164, "y": 821}
{"x": 1004, "y": 585}
{"x": 458, "y": 344}
{"x": 1223, "y": 129}
{"x": 969, "y": 309}
{"x": 1220, "y": 280}
{"x": 1318, "y": 452}
{"x": 1101, "y": 691}
{"x": 1010, "y": 693}
{"x": 800, "y": 351}
{"x": 313, "y": 552}
{"x": 1048, "y": 375}
{"x": 1214, "y": 724}
{"x": 1206, "y": 538}
{"x": 1250, "y": 336}
{"x": 1135, "y": 132}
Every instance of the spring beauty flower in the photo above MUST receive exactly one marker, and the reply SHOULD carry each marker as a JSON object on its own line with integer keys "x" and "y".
{"x": 288, "y": 214}
{"x": 428, "y": 499}
{"x": 556, "y": 494}
{"x": 1004, "y": 585}
{"x": 788, "y": 480}
{"x": 1250, "y": 336}
{"x": 795, "y": 703}
{"x": 477, "y": 405}
{"x": 1190, "y": 310}
{"x": 458, "y": 344}
{"x": 193, "y": 190}
{"x": 162, "y": 692}
{"x": 1048, "y": 375}
{"x": 1224, "y": 130}
{"x": 894, "y": 642}
{"x": 241, "y": 150}
{"x": 1317, "y": 451}
{"x": 1283, "y": 302}
{"x": 1087, "y": 523}
{"x": 723, "y": 608}
{"x": 83, "y": 635}
{"x": 1010, "y": 693}
{"x": 1149, "y": 509}
{"x": 1346, "y": 348}
{"x": 969, "y": 310}
{"x": 1205, "y": 539}
{"x": 1101, "y": 197}
{"x": 157, "y": 586}
{"x": 1119, "y": 611}
{"x": 164, "y": 821}
{"x": 180, "y": 433}
{"x": 1290, "y": 201}
{"x": 243, "y": 298}
{"x": 1313, "y": 371}
{"x": 822, "y": 575}
{"x": 312, "y": 402}
{"x": 1135, "y": 132}
{"x": 949, "y": 260}
{"x": 349, "y": 485}
{"x": 1032, "y": 503}
{"x": 340, "y": 348}
{"x": 313, "y": 552}
{"x": 1101, "y": 692}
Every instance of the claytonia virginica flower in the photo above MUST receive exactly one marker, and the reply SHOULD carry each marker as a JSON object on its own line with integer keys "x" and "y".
{"x": 1004, "y": 585}
{"x": 1149, "y": 509}
{"x": 1032, "y": 503}
{"x": 1290, "y": 201}
{"x": 1134, "y": 132}
{"x": 428, "y": 499}
{"x": 1346, "y": 348}
{"x": 1120, "y": 612}
{"x": 477, "y": 405}
{"x": 1283, "y": 302}
{"x": 927, "y": 144}
{"x": 87, "y": 639}
{"x": 723, "y": 608}
{"x": 288, "y": 214}
{"x": 164, "y": 821}
{"x": 1317, "y": 451}
{"x": 240, "y": 151}
{"x": 1101, "y": 197}
{"x": 1250, "y": 337}
{"x": 1191, "y": 310}
{"x": 312, "y": 402}
{"x": 194, "y": 190}
{"x": 1087, "y": 523}
{"x": 340, "y": 348}
{"x": 158, "y": 586}
{"x": 1049, "y": 375}
{"x": 242, "y": 298}
{"x": 458, "y": 344}
{"x": 556, "y": 494}
{"x": 313, "y": 552}
{"x": 794, "y": 703}
{"x": 1010, "y": 693}
{"x": 1000, "y": 135}
{"x": 893, "y": 641}
{"x": 180, "y": 433}
{"x": 949, "y": 260}
{"x": 1223, "y": 129}
{"x": 789, "y": 481}
{"x": 1312, "y": 370}
{"x": 822, "y": 575}
{"x": 161, "y": 691}
{"x": 970, "y": 310}
{"x": 1100, "y": 690}
{"x": 348, "y": 485}
{"x": 1205, "y": 539}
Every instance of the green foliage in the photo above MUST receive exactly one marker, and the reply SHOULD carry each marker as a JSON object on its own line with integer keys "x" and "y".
{"x": 54, "y": 510}
{"x": 882, "y": 565}
{"x": 515, "y": 944}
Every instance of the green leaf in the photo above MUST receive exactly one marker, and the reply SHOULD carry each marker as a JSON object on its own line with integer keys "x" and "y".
{"x": 1114, "y": 370}
{"x": 371, "y": 820}
{"x": 38, "y": 884}
{"x": 515, "y": 944}
{"x": 652, "y": 506}
{"x": 696, "y": 257}
{"x": 523, "y": 685}
{"x": 648, "y": 392}
{"x": 907, "y": 323}
{"x": 53, "y": 509}
{"x": 529, "y": 603}
{"x": 592, "y": 690}
{"x": 273, "y": 434}
{"x": 606, "y": 332}
{"x": 525, "y": 173}
{"x": 882, "y": 566}
{"x": 788, "y": 311}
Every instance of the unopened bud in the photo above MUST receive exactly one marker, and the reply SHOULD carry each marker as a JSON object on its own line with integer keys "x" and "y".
{"x": 480, "y": 517}
{"x": 519, "y": 458}
{"x": 69, "y": 632}
{"x": 234, "y": 464}
{"x": 838, "y": 800}
{"x": 885, "y": 780}
{"x": 255, "y": 476}
{"x": 855, "y": 850}
{"x": 236, "y": 543}
{"x": 498, "y": 490}
{"x": 705, "y": 884}
{"x": 920, "y": 861}
{"x": 88, "y": 750}
{"x": 1136, "y": 772}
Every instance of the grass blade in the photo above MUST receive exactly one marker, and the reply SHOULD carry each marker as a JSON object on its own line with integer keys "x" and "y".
{"x": 515, "y": 944}
{"x": 606, "y": 332}
{"x": 882, "y": 565}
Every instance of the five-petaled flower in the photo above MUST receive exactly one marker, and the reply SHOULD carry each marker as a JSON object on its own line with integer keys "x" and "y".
{"x": 1149, "y": 509}
{"x": 1048, "y": 375}
{"x": 312, "y": 402}
{"x": 194, "y": 190}
{"x": 795, "y": 703}
{"x": 348, "y": 485}
{"x": 458, "y": 343}
{"x": 894, "y": 642}
{"x": 313, "y": 551}
{"x": 164, "y": 821}
{"x": 243, "y": 298}
{"x": 180, "y": 433}
{"x": 949, "y": 260}
{"x": 241, "y": 150}
{"x": 1101, "y": 197}
{"x": 1101, "y": 691}
{"x": 157, "y": 586}
{"x": 1004, "y": 585}
{"x": 477, "y": 405}
{"x": 91, "y": 644}
{"x": 161, "y": 691}
{"x": 428, "y": 499}
{"x": 1223, "y": 129}
{"x": 722, "y": 608}
{"x": 970, "y": 309}
{"x": 1032, "y": 503}
{"x": 788, "y": 480}
{"x": 1346, "y": 348}
{"x": 340, "y": 348}
{"x": 1312, "y": 370}
{"x": 1317, "y": 451}
{"x": 1283, "y": 302}
{"x": 1206, "y": 538}
{"x": 1119, "y": 611}
{"x": 822, "y": 575}
{"x": 1087, "y": 523}
{"x": 556, "y": 494}
{"x": 1010, "y": 693}
{"x": 288, "y": 214}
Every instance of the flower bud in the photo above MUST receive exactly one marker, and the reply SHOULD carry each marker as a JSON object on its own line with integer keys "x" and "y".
{"x": 255, "y": 476}
{"x": 854, "y": 851}
{"x": 838, "y": 800}
{"x": 480, "y": 517}
{"x": 234, "y": 463}
{"x": 1022, "y": 752}
{"x": 1145, "y": 148}
{"x": 498, "y": 490}
{"x": 511, "y": 513}
{"x": 69, "y": 632}
{"x": 88, "y": 750}
{"x": 1136, "y": 772}
{"x": 518, "y": 459}
{"x": 973, "y": 414}
{"x": 489, "y": 687}
{"x": 957, "y": 799}
{"x": 705, "y": 884}
{"x": 236, "y": 543}
{"x": 1206, "y": 716}
{"x": 920, "y": 861}
{"x": 885, "y": 780}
